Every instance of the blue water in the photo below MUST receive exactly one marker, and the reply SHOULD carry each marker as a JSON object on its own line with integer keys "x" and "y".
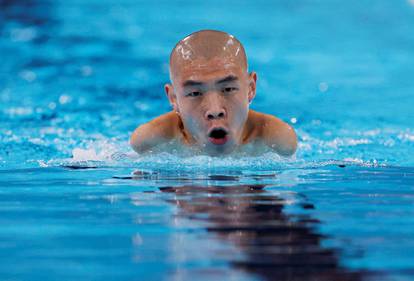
{"x": 76, "y": 77}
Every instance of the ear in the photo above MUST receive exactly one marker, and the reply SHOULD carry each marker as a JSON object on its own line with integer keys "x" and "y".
{"x": 252, "y": 86}
{"x": 169, "y": 90}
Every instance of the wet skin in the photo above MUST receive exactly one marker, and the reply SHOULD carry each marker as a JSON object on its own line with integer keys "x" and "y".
{"x": 213, "y": 97}
{"x": 210, "y": 93}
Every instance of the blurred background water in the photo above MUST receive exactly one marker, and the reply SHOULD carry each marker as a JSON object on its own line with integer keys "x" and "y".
{"x": 73, "y": 72}
{"x": 76, "y": 77}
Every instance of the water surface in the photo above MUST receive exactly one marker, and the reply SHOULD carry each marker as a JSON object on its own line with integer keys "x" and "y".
{"x": 77, "y": 77}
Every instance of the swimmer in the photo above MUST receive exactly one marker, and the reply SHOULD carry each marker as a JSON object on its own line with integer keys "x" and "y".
{"x": 210, "y": 93}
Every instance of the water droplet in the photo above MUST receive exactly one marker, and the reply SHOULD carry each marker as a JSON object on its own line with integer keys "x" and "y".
{"x": 28, "y": 75}
{"x": 52, "y": 105}
{"x": 141, "y": 106}
{"x": 86, "y": 70}
{"x": 23, "y": 34}
{"x": 64, "y": 99}
{"x": 323, "y": 87}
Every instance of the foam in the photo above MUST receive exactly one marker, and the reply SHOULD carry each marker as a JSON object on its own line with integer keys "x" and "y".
{"x": 110, "y": 155}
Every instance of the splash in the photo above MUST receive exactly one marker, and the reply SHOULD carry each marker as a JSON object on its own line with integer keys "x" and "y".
{"x": 106, "y": 154}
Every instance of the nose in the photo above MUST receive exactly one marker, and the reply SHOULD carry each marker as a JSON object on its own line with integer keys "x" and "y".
{"x": 215, "y": 114}
{"x": 215, "y": 110}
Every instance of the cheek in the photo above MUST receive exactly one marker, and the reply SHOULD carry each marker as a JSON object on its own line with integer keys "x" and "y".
{"x": 190, "y": 111}
{"x": 239, "y": 111}
{"x": 240, "y": 118}
{"x": 191, "y": 118}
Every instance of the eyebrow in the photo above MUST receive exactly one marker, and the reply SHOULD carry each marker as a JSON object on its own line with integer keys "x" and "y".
{"x": 229, "y": 78}
{"x": 192, "y": 83}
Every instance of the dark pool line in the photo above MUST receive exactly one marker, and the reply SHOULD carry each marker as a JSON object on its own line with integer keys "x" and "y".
{"x": 277, "y": 246}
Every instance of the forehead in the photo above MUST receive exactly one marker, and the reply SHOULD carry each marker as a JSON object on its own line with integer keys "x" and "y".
{"x": 202, "y": 69}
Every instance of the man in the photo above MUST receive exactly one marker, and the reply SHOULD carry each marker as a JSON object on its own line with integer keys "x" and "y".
{"x": 210, "y": 93}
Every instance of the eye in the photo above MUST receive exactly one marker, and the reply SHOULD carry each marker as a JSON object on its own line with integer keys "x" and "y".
{"x": 229, "y": 89}
{"x": 194, "y": 94}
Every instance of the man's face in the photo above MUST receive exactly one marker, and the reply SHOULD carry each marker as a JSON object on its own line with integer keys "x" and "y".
{"x": 212, "y": 97}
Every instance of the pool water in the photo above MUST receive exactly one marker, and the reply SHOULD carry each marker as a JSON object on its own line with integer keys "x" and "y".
{"x": 76, "y": 77}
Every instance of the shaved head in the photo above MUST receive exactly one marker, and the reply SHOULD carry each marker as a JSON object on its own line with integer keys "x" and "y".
{"x": 206, "y": 45}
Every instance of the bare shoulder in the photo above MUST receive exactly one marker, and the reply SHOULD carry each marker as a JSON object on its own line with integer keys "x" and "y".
{"x": 159, "y": 130}
{"x": 276, "y": 133}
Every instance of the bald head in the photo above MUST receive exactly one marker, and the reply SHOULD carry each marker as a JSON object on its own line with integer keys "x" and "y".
{"x": 206, "y": 45}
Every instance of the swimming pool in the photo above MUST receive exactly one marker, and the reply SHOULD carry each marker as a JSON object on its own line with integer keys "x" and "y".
{"x": 76, "y": 78}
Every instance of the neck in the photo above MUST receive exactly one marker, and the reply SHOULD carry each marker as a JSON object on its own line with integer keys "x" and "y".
{"x": 185, "y": 135}
{"x": 248, "y": 130}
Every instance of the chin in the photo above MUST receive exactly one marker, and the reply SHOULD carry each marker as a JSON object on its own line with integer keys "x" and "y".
{"x": 217, "y": 150}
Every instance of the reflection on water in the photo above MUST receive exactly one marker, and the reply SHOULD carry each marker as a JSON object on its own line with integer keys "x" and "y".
{"x": 275, "y": 246}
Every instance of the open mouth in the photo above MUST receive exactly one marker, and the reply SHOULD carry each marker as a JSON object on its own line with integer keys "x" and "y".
{"x": 218, "y": 136}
